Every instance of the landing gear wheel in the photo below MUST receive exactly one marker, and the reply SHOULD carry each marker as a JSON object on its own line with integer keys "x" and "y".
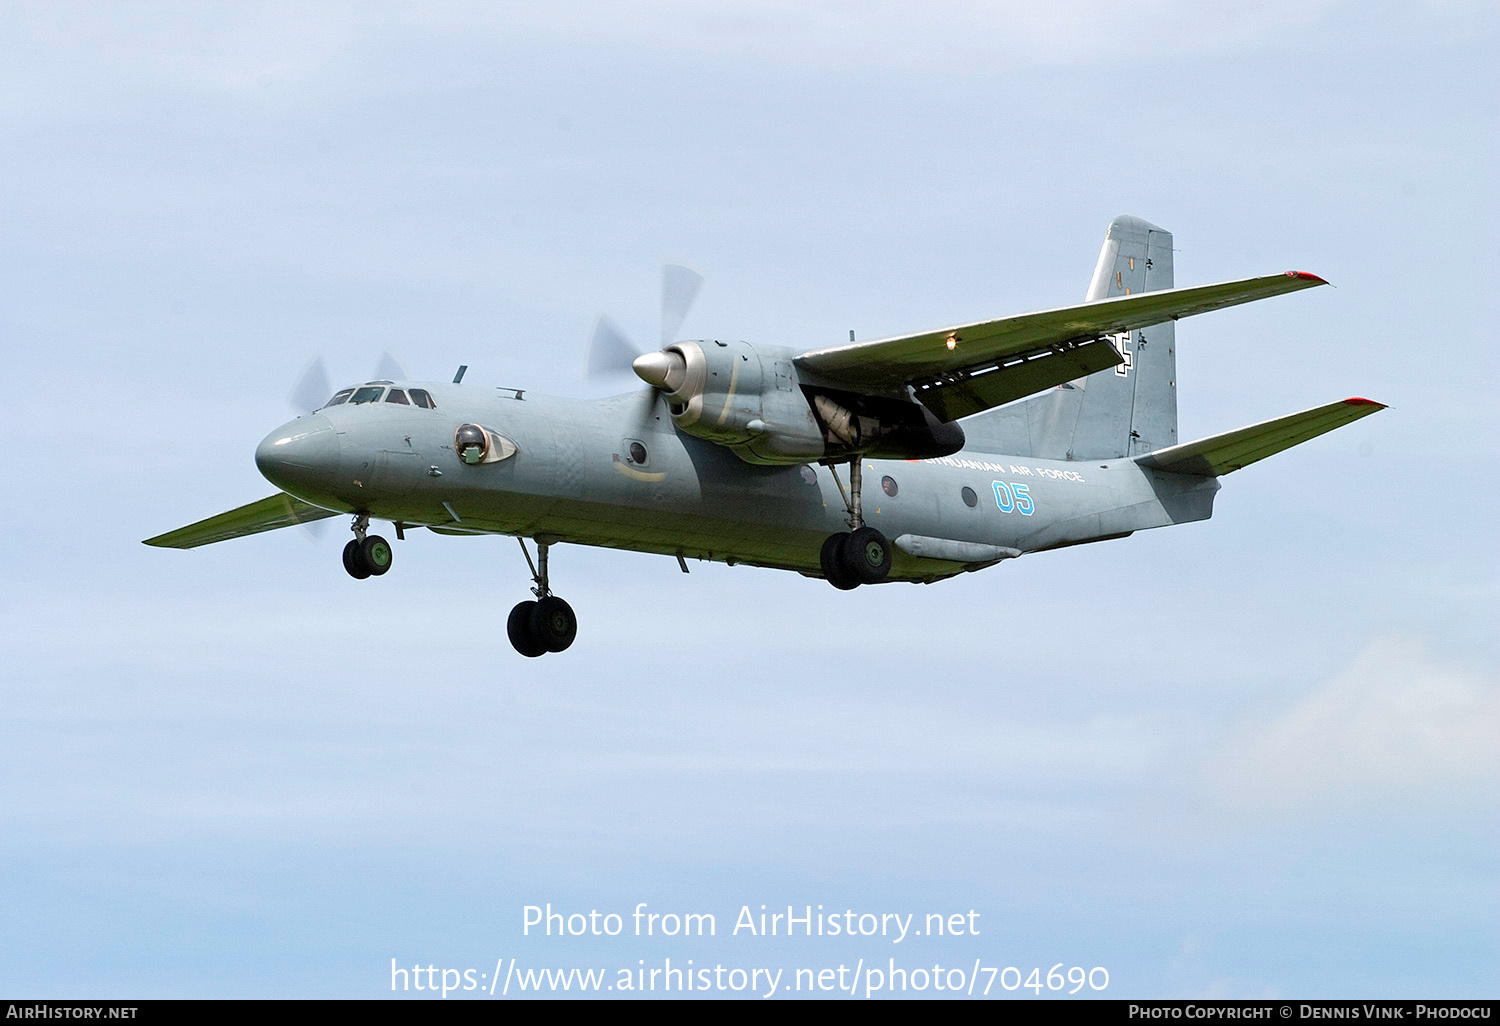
{"x": 831, "y": 559}
{"x": 867, "y": 556}
{"x": 519, "y": 628}
{"x": 375, "y": 553}
{"x": 553, "y": 624}
{"x": 548, "y": 624}
{"x": 352, "y": 561}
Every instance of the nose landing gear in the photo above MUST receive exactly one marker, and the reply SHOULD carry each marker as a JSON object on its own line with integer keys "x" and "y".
{"x": 861, "y": 555}
{"x": 547, "y": 624}
{"x": 367, "y": 555}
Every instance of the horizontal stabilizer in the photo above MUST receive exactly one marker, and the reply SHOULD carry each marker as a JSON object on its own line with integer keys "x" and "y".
{"x": 1223, "y": 454}
{"x": 279, "y": 510}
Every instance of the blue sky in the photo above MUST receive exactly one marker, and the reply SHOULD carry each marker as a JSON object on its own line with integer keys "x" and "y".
{"x": 1253, "y": 757}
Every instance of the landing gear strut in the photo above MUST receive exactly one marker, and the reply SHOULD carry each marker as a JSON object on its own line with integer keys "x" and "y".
{"x": 860, "y": 555}
{"x": 547, "y": 624}
{"x": 367, "y": 554}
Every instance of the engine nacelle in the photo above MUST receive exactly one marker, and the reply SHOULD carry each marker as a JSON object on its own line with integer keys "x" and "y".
{"x": 752, "y": 402}
{"x": 732, "y": 394}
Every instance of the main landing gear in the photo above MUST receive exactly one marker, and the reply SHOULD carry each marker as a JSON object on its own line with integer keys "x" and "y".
{"x": 546, "y": 625}
{"x": 860, "y": 555}
{"x": 368, "y": 554}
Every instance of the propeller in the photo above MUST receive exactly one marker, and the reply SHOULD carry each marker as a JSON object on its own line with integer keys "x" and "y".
{"x": 611, "y": 352}
{"x": 679, "y": 287}
{"x": 312, "y": 389}
{"x": 388, "y": 368}
{"x": 313, "y": 530}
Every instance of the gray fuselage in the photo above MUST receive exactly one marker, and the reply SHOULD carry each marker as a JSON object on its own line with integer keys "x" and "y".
{"x": 616, "y": 473}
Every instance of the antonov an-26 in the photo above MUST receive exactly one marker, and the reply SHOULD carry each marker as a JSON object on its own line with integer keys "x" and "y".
{"x": 962, "y": 447}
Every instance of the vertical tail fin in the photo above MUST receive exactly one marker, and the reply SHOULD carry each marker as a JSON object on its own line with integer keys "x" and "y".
{"x": 1132, "y": 409}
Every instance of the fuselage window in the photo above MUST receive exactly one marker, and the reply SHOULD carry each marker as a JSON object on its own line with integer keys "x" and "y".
{"x": 397, "y": 396}
{"x": 889, "y": 486}
{"x": 368, "y": 394}
{"x": 970, "y": 498}
{"x": 342, "y": 397}
{"x": 420, "y": 397}
{"x": 809, "y": 475}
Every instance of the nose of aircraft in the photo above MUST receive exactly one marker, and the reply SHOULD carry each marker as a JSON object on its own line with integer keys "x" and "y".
{"x": 300, "y": 457}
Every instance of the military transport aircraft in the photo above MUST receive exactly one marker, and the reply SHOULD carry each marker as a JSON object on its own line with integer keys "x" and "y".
{"x": 986, "y": 442}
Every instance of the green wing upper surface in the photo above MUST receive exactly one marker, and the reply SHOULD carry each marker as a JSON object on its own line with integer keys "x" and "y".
{"x": 952, "y": 358}
{"x": 276, "y": 511}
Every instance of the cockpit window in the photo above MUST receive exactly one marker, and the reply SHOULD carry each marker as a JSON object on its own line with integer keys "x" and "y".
{"x": 420, "y": 397}
{"x": 397, "y": 396}
{"x": 341, "y": 397}
{"x": 368, "y": 394}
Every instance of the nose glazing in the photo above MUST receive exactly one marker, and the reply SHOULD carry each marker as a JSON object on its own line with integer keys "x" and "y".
{"x": 301, "y": 457}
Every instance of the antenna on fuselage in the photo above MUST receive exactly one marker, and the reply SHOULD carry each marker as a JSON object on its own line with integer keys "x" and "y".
{"x": 460, "y": 375}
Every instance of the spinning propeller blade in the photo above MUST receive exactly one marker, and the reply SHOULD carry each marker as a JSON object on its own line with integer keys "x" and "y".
{"x": 611, "y": 352}
{"x": 312, "y": 389}
{"x": 314, "y": 530}
{"x": 679, "y": 287}
{"x": 387, "y": 368}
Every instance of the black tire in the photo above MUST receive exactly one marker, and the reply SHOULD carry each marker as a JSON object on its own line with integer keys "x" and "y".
{"x": 519, "y": 629}
{"x": 553, "y": 624}
{"x": 831, "y": 559}
{"x": 376, "y": 555}
{"x": 352, "y": 562}
{"x": 867, "y": 556}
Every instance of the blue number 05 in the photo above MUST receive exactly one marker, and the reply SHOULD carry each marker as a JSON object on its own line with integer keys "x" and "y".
{"x": 1014, "y": 498}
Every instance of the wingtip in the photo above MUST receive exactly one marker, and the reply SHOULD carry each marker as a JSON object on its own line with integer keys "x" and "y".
{"x": 1307, "y": 276}
{"x": 1357, "y": 401}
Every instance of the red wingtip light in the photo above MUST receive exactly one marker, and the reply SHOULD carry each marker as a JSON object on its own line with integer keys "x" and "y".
{"x": 1356, "y": 401}
{"x": 1305, "y": 276}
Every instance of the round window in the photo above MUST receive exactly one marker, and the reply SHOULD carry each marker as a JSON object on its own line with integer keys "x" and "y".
{"x": 637, "y": 452}
{"x": 970, "y": 499}
{"x": 809, "y": 474}
{"x": 888, "y": 485}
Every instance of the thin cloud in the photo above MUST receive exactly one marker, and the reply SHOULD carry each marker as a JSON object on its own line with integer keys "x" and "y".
{"x": 1393, "y": 727}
